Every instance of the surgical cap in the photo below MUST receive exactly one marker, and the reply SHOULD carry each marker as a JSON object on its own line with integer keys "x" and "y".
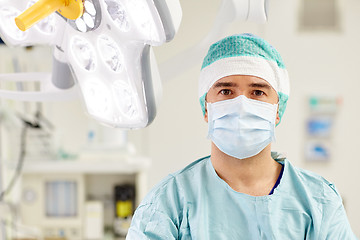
{"x": 244, "y": 54}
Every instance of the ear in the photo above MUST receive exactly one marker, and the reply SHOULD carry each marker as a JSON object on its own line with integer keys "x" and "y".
{"x": 206, "y": 115}
{"x": 277, "y": 120}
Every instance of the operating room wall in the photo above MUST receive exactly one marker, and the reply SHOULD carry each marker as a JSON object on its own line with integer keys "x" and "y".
{"x": 319, "y": 63}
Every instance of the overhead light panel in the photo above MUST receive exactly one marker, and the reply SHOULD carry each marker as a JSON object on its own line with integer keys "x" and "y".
{"x": 108, "y": 49}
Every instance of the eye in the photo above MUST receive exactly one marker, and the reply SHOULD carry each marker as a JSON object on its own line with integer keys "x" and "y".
{"x": 258, "y": 93}
{"x": 225, "y": 92}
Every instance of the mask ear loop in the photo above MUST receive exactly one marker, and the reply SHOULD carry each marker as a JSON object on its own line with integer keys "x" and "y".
{"x": 202, "y": 103}
{"x": 282, "y": 105}
{"x": 278, "y": 106}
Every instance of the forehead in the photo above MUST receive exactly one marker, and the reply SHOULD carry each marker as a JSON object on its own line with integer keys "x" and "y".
{"x": 241, "y": 81}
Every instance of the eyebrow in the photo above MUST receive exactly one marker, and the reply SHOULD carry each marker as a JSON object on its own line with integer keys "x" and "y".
{"x": 260, "y": 85}
{"x": 232, "y": 84}
{"x": 225, "y": 84}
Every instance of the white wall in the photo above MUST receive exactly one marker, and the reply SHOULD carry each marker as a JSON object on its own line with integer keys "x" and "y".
{"x": 318, "y": 63}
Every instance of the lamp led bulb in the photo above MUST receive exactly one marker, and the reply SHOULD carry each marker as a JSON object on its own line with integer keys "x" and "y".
{"x": 89, "y": 7}
{"x": 81, "y": 25}
{"x": 97, "y": 98}
{"x": 84, "y": 53}
{"x": 125, "y": 99}
{"x": 118, "y": 14}
{"x": 110, "y": 53}
{"x": 89, "y": 21}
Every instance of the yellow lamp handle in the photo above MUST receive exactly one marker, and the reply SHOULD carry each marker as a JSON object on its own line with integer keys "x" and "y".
{"x": 71, "y": 9}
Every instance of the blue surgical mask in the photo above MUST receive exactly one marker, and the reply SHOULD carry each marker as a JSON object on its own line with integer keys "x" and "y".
{"x": 241, "y": 127}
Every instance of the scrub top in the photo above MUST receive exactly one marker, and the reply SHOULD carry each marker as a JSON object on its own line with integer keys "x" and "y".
{"x": 195, "y": 203}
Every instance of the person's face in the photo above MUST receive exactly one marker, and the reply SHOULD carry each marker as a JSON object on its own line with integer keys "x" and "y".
{"x": 250, "y": 86}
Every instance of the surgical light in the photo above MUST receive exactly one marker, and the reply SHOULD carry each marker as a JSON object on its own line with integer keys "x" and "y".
{"x": 108, "y": 49}
{"x": 121, "y": 60}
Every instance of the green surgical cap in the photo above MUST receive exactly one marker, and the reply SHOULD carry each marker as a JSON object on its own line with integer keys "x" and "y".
{"x": 244, "y": 54}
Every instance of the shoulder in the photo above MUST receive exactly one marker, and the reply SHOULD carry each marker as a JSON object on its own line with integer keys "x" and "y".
{"x": 313, "y": 184}
{"x": 175, "y": 183}
{"x": 166, "y": 202}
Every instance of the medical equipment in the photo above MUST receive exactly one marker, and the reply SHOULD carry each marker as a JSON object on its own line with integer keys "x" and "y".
{"x": 138, "y": 106}
{"x": 14, "y": 123}
{"x": 11, "y": 122}
{"x": 119, "y": 83}
{"x": 124, "y": 199}
{"x": 7, "y": 211}
{"x": 81, "y": 181}
{"x": 52, "y": 203}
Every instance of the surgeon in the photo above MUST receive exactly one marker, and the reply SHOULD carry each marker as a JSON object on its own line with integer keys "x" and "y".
{"x": 242, "y": 190}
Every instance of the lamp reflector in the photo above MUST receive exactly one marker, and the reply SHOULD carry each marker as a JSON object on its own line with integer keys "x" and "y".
{"x": 125, "y": 99}
{"x": 110, "y": 53}
{"x": 118, "y": 14}
{"x": 83, "y": 53}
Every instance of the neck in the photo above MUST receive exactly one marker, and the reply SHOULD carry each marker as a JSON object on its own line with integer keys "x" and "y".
{"x": 254, "y": 176}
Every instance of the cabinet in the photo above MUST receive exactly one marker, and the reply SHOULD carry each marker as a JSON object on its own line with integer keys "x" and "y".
{"x": 54, "y": 193}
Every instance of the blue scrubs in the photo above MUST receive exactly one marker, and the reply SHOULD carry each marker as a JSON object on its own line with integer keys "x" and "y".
{"x": 195, "y": 203}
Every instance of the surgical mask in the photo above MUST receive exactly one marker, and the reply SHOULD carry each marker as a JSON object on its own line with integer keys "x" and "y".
{"x": 241, "y": 127}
